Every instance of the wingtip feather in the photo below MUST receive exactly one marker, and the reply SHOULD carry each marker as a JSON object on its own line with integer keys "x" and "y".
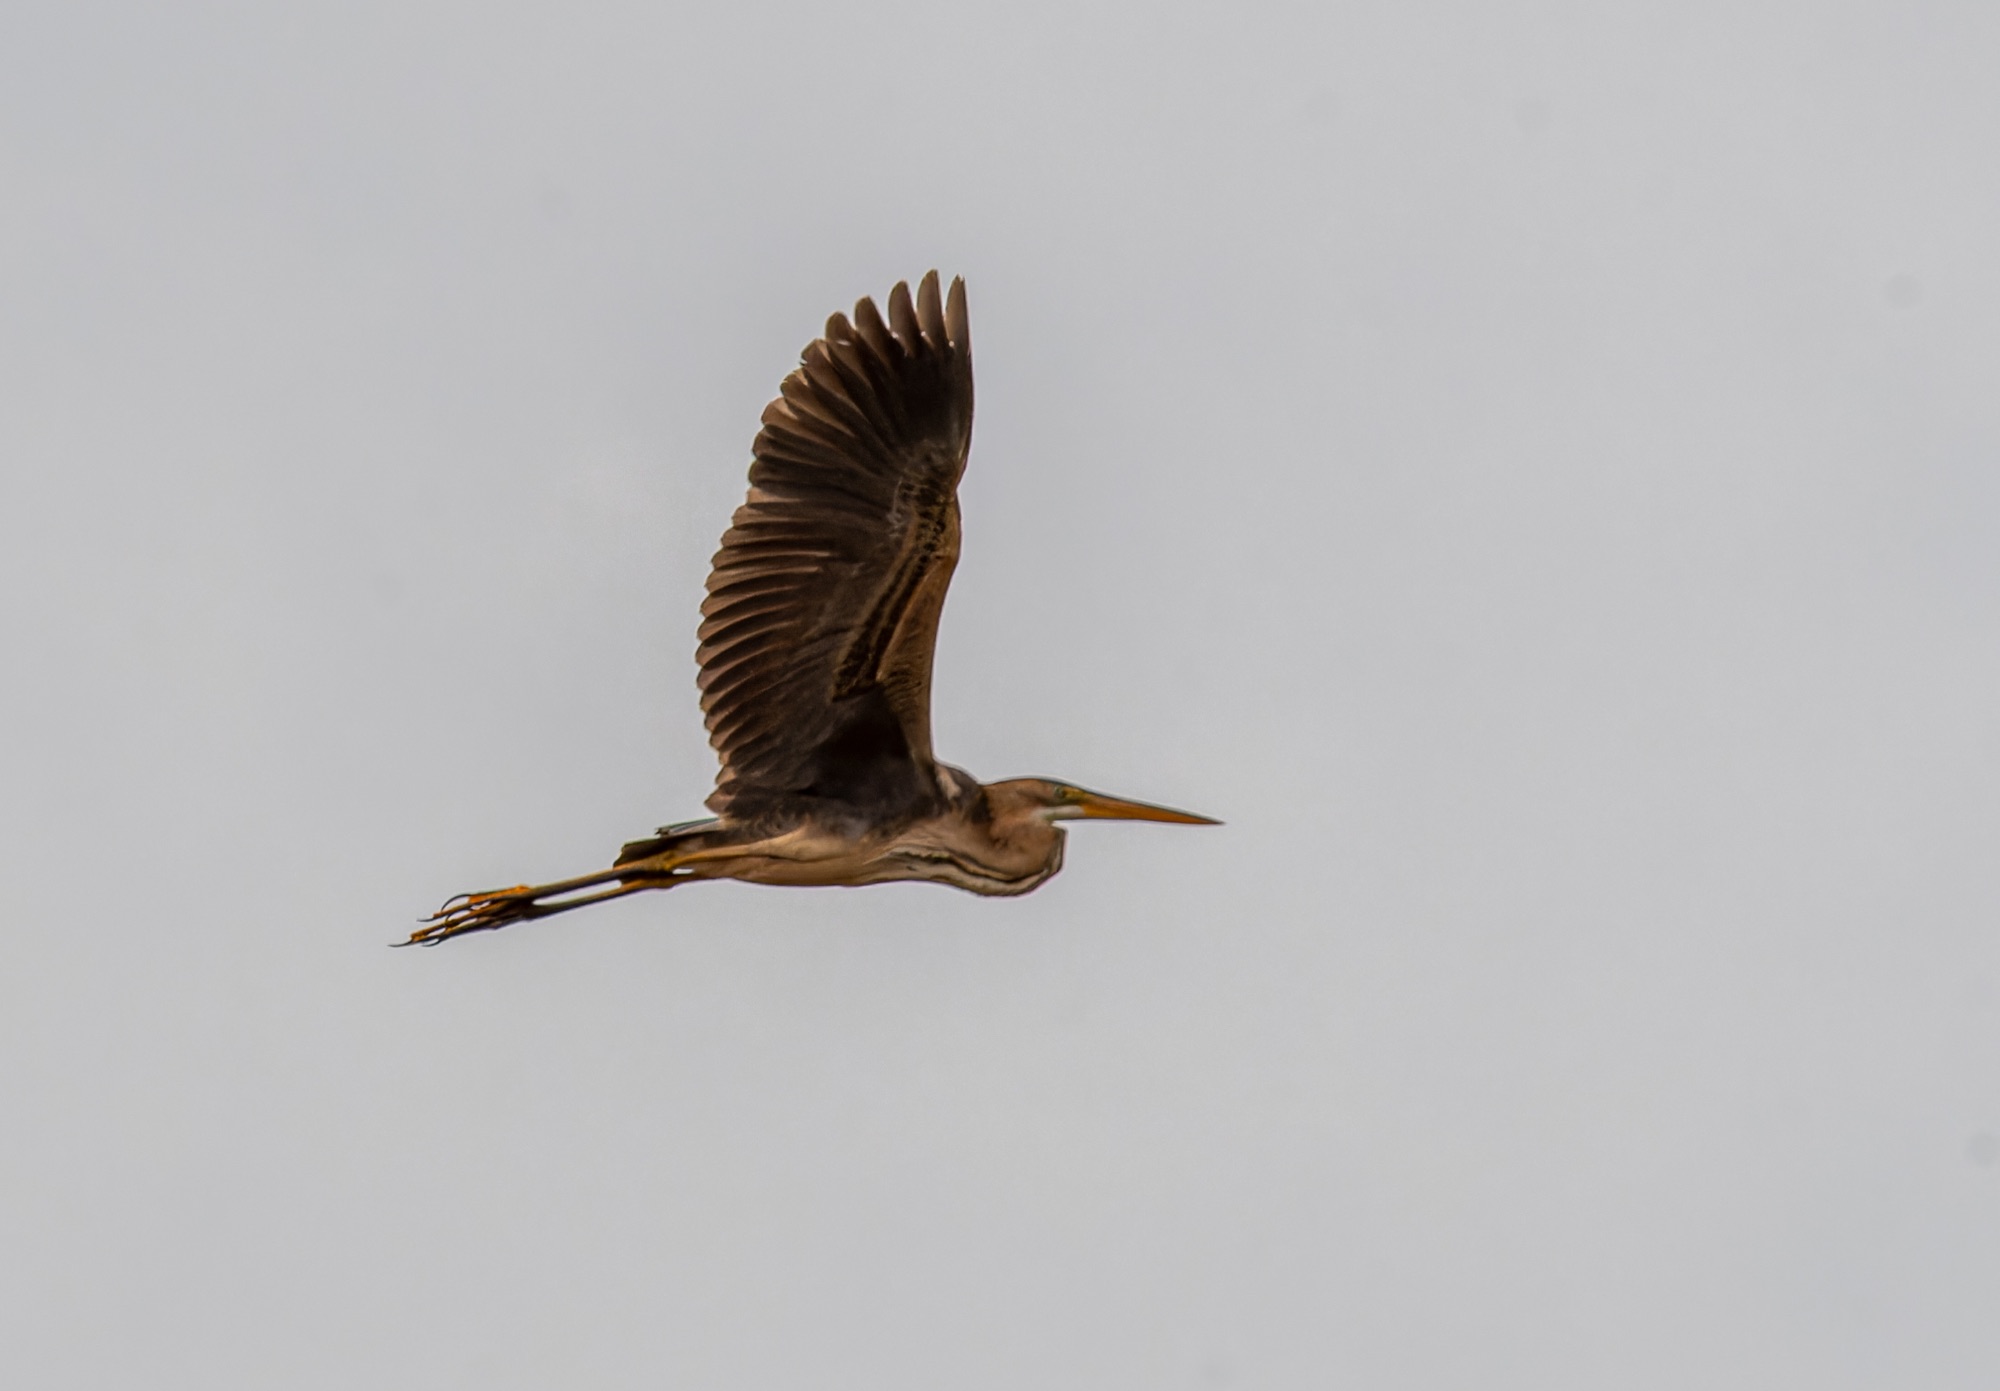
{"x": 957, "y": 324}
{"x": 930, "y": 311}
{"x": 902, "y": 318}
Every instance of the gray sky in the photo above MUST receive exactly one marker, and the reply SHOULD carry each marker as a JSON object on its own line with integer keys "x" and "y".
{"x": 1534, "y": 470}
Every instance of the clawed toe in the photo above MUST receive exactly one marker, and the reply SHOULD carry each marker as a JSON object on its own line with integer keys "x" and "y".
{"x": 479, "y": 912}
{"x": 482, "y": 912}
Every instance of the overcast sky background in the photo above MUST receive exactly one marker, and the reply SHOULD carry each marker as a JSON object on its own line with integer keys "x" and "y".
{"x": 1532, "y": 469}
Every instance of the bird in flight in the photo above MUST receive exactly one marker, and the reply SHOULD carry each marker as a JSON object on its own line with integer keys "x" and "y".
{"x": 815, "y": 650}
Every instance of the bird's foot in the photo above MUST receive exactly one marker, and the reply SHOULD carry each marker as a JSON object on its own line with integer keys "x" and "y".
{"x": 500, "y": 907}
{"x": 479, "y": 913}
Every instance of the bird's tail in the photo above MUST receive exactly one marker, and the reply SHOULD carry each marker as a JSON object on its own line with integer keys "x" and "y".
{"x": 682, "y": 835}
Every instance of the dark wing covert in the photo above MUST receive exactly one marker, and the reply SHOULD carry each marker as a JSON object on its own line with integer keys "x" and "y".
{"x": 823, "y": 603}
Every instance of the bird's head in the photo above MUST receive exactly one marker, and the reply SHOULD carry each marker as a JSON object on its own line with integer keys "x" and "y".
{"x": 1044, "y": 800}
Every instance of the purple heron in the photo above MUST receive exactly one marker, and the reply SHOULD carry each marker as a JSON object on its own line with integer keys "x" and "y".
{"x": 816, "y": 644}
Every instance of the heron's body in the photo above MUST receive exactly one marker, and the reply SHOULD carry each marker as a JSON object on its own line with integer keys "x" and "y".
{"x": 963, "y": 844}
{"x": 816, "y": 646}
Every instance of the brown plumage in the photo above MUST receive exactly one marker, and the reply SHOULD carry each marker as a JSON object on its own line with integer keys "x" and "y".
{"x": 816, "y": 643}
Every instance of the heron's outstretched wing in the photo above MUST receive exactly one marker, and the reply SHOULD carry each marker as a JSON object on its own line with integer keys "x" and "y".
{"x": 823, "y": 604}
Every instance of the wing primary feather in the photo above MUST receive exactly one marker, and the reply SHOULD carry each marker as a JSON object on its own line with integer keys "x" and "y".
{"x": 872, "y": 331}
{"x": 930, "y": 312}
{"x": 903, "y": 319}
{"x": 957, "y": 328}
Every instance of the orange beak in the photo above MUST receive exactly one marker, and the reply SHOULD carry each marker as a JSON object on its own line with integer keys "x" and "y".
{"x": 1102, "y": 808}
